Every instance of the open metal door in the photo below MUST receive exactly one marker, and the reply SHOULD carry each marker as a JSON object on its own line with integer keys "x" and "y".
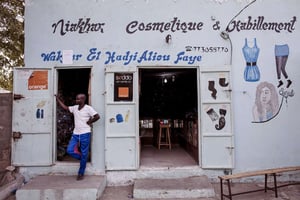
{"x": 121, "y": 119}
{"x": 32, "y": 117}
{"x": 216, "y": 116}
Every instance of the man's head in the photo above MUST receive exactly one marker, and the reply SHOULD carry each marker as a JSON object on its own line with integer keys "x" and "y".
{"x": 80, "y": 99}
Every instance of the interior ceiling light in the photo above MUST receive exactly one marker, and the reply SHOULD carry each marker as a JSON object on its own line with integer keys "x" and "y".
{"x": 173, "y": 78}
{"x": 165, "y": 80}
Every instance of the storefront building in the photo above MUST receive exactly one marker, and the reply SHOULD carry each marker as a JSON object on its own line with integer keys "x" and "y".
{"x": 221, "y": 75}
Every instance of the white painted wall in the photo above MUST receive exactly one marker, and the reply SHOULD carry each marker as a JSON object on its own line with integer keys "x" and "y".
{"x": 264, "y": 145}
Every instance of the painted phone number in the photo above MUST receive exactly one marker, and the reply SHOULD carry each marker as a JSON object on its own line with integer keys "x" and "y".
{"x": 203, "y": 49}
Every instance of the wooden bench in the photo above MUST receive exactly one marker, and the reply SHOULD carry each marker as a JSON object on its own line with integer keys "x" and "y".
{"x": 266, "y": 172}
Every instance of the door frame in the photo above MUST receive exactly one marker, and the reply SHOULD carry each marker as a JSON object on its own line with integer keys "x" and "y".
{"x": 55, "y": 90}
{"x": 161, "y": 67}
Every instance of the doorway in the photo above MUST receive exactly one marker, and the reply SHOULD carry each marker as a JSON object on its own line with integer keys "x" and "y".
{"x": 70, "y": 82}
{"x": 169, "y": 95}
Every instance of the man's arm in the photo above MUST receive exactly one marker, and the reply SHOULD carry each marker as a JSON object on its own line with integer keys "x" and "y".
{"x": 61, "y": 103}
{"x": 93, "y": 119}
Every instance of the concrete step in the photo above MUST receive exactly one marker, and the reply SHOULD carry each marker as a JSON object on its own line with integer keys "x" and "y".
{"x": 189, "y": 187}
{"x": 117, "y": 178}
{"x": 55, "y": 187}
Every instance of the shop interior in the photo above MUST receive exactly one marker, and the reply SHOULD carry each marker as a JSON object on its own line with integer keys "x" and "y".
{"x": 168, "y": 107}
{"x": 70, "y": 83}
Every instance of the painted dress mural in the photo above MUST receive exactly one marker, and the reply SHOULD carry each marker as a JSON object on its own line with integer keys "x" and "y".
{"x": 251, "y": 72}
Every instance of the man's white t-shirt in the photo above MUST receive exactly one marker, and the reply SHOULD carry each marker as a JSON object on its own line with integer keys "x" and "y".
{"x": 81, "y": 117}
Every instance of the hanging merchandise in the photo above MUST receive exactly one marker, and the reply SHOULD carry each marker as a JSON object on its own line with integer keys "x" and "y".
{"x": 251, "y": 72}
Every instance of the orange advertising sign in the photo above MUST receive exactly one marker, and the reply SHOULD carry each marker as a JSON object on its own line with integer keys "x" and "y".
{"x": 38, "y": 80}
{"x": 123, "y": 86}
{"x": 123, "y": 92}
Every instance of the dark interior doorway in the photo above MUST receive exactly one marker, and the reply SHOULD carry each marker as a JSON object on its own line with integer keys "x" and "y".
{"x": 169, "y": 94}
{"x": 70, "y": 83}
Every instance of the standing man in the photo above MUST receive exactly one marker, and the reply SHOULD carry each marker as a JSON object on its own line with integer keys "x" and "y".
{"x": 84, "y": 116}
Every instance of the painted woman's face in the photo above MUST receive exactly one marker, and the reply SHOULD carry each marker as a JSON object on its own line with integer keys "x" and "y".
{"x": 265, "y": 95}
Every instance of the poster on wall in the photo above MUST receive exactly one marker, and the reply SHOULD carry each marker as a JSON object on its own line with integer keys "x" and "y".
{"x": 38, "y": 80}
{"x": 123, "y": 84}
